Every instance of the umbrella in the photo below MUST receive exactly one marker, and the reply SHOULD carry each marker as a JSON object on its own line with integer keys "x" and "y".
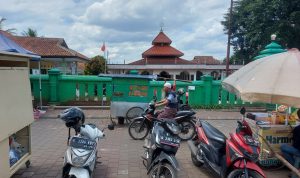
{"x": 273, "y": 79}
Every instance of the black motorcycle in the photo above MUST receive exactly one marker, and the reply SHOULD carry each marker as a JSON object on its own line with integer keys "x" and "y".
{"x": 160, "y": 149}
{"x": 141, "y": 126}
{"x": 182, "y": 106}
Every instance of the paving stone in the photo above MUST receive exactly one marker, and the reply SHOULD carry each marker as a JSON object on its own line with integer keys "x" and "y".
{"x": 120, "y": 155}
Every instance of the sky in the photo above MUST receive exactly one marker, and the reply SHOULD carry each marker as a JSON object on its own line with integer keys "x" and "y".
{"x": 126, "y": 26}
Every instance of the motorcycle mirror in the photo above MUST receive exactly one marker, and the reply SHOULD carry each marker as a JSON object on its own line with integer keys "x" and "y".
{"x": 154, "y": 98}
{"x": 243, "y": 111}
{"x": 111, "y": 126}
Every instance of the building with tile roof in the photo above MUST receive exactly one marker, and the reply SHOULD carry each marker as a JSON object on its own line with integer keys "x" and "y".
{"x": 166, "y": 61}
{"x": 54, "y": 52}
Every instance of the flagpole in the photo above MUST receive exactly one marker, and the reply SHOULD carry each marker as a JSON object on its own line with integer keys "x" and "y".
{"x": 104, "y": 62}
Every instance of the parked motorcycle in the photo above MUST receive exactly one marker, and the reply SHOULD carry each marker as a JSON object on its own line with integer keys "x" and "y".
{"x": 81, "y": 155}
{"x": 160, "y": 149}
{"x": 182, "y": 106}
{"x": 140, "y": 126}
{"x": 231, "y": 157}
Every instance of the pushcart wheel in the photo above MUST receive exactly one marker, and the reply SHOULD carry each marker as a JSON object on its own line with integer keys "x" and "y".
{"x": 134, "y": 112}
{"x": 121, "y": 120}
{"x": 27, "y": 163}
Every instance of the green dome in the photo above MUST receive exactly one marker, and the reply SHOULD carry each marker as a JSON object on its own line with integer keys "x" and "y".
{"x": 270, "y": 49}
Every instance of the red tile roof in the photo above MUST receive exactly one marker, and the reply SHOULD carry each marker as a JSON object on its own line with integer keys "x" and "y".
{"x": 162, "y": 51}
{"x": 207, "y": 60}
{"x": 161, "y": 61}
{"x": 161, "y": 38}
{"x": 46, "y": 47}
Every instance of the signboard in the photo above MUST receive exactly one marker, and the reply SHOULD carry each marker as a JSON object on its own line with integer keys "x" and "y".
{"x": 275, "y": 135}
{"x": 191, "y": 87}
{"x": 138, "y": 90}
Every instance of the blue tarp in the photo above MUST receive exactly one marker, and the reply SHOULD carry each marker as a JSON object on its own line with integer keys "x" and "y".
{"x": 8, "y": 45}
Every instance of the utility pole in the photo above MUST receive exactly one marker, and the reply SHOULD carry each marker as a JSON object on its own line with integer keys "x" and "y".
{"x": 228, "y": 40}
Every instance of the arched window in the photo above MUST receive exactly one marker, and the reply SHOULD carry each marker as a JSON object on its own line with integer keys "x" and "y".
{"x": 145, "y": 73}
{"x": 163, "y": 74}
{"x": 215, "y": 75}
{"x": 198, "y": 75}
{"x": 184, "y": 75}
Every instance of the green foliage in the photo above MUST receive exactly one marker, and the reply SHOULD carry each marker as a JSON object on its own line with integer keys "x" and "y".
{"x": 95, "y": 66}
{"x": 254, "y": 21}
{"x": 30, "y": 32}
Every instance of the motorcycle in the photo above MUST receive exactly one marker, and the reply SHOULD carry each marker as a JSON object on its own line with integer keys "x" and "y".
{"x": 235, "y": 156}
{"x": 141, "y": 126}
{"x": 182, "y": 106}
{"x": 160, "y": 149}
{"x": 81, "y": 155}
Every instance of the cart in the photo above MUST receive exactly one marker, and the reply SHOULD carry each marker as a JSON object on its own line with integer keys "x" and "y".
{"x": 130, "y": 95}
{"x": 16, "y": 113}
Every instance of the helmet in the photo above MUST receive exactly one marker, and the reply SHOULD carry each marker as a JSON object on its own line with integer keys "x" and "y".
{"x": 72, "y": 116}
{"x": 180, "y": 91}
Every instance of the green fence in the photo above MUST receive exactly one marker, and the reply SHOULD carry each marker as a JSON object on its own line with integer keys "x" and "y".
{"x": 71, "y": 89}
{"x": 81, "y": 90}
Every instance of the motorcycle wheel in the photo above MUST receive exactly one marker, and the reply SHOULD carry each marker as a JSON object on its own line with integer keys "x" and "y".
{"x": 138, "y": 129}
{"x": 237, "y": 173}
{"x": 166, "y": 171}
{"x": 187, "y": 130}
{"x": 195, "y": 161}
{"x": 134, "y": 112}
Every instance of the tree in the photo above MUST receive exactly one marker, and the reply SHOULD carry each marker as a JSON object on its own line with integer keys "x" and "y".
{"x": 30, "y": 32}
{"x": 95, "y": 66}
{"x": 10, "y": 30}
{"x": 254, "y": 21}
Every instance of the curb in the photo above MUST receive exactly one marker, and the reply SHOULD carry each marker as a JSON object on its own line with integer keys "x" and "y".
{"x": 82, "y": 107}
{"x": 49, "y": 117}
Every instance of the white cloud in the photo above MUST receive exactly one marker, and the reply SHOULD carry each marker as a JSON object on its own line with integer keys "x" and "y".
{"x": 127, "y": 26}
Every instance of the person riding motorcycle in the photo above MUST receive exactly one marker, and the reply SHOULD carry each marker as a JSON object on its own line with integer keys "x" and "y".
{"x": 170, "y": 102}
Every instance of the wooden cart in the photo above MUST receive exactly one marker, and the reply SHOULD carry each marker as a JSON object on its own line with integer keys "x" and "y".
{"x": 16, "y": 112}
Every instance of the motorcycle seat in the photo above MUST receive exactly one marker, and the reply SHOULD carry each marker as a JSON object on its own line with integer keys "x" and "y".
{"x": 184, "y": 113}
{"x": 212, "y": 133}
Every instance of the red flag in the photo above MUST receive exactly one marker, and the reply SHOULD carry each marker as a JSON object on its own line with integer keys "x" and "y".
{"x": 103, "y": 47}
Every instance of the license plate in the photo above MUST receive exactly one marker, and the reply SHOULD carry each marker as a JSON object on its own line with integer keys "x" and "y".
{"x": 83, "y": 143}
{"x": 169, "y": 140}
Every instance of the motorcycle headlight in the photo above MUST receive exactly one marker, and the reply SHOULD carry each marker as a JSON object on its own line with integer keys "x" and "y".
{"x": 252, "y": 156}
{"x": 173, "y": 128}
{"x": 78, "y": 161}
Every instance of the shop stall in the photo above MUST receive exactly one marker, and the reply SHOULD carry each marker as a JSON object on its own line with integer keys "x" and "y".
{"x": 273, "y": 128}
{"x": 16, "y": 113}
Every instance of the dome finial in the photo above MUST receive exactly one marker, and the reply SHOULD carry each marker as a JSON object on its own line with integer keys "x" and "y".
{"x": 161, "y": 26}
{"x": 273, "y": 37}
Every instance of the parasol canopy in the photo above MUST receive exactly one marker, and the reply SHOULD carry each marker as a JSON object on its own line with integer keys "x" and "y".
{"x": 273, "y": 79}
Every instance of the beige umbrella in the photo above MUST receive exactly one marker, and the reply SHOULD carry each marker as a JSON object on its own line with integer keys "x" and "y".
{"x": 273, "y": 79}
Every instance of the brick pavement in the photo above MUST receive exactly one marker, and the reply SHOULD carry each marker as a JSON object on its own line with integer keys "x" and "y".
{"x": 120, "y": 155}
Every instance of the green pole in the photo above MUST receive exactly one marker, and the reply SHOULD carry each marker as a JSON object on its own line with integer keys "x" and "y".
{"x": 54, "y": 75}
{"x": 207, "y": 88}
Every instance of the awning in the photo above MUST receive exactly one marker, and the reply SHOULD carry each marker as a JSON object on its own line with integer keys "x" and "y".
{"x": 8, "y": 45}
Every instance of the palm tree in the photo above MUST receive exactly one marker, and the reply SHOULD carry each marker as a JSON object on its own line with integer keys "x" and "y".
{"x": 30, "y": 32}
{"x": 10, "y": 30}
